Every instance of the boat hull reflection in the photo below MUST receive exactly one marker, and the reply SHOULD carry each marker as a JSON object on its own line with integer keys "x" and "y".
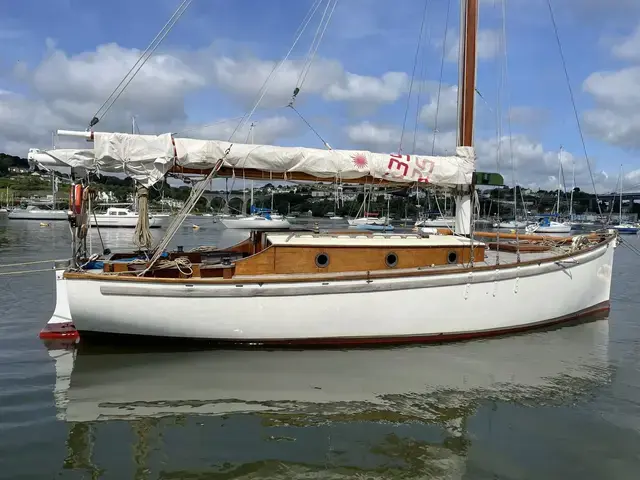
{"x": 94, "y": 384}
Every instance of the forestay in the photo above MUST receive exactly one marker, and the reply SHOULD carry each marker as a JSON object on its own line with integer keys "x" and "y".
{"x": 147, "y": 158}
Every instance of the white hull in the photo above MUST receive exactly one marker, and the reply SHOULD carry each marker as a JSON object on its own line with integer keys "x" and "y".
{"x": 436, "y": 222}
{"x": 513, "y": 224}
{"x": 250, "y": 223}
{"x": 367, "y": 221}
{"x": 124, "y": 221}
{"x": 453, "y": 305}
{"x": 555, "y": 227}
{"x": 626, "y": 229}
{"x": 37, "y": 214}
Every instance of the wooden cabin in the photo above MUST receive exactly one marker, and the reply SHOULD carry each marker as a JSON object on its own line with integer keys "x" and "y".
{"x": 304, "y": 253}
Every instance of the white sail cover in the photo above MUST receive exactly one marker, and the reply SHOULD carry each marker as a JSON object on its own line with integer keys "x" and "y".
{"x": 147, "y": 158}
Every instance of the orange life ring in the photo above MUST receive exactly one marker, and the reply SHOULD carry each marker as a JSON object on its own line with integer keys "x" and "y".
{"x": 75, "y": 198}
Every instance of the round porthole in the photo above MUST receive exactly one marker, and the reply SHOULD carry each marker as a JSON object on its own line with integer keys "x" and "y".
{"x": 452, "y": 257}
{"x": 391, "y": 259}
{"x": 322, "y": 260}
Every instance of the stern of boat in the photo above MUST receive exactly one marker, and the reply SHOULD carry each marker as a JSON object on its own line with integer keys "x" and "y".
{"x": 60, "y": 327}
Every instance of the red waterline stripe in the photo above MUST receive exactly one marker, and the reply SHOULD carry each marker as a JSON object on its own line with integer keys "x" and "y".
{"x": 59, "y": 331}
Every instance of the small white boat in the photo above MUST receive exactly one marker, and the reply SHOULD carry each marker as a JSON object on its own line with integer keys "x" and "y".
{"x": 34, "y": 213}
{"x": 442, "y": 222}
{"x": 626, "y": 229}
{"x": 336, "y": 217}
{"x": 376, "y": 228}
{"x": 120, "y": 218}
{"x": 256, "y": 222}
{"x": 549, "y": 226}
{"x": 4, "y": 210}
{"x": 512, "y": 224}
{"x": 367, "y": 221}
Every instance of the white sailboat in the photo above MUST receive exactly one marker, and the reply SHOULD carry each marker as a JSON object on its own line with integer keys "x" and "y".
{"x": 6, "y": 199}
{"x": 368, "y": 220}
{"x": 545, "y": 224}
{"x": 442, "y": 222}
{"x": 340, "y": 289}
{"x": 264, "y": 221}
{"x": 512, "y": 224}
{"x": 254, "y": 222}
{"x": 34, "y": 212}
{"x": 41, "y": 212}
{"x": 624, "y": 227}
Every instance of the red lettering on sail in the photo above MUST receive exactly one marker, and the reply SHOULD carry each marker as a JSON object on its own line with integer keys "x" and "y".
{"x": 395, "y": 162}
{"x": 423, "y": 170}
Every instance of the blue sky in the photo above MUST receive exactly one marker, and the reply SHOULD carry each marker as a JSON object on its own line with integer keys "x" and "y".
{"x": 59, "y": 60}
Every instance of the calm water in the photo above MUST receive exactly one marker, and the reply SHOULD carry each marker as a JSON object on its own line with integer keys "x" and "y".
{"x": 561, "y": 404}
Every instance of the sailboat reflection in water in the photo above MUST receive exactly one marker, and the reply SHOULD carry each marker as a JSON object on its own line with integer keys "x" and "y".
{"x": 270, "y": 394}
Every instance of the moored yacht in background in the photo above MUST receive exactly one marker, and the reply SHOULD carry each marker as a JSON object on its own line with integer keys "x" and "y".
{"x": 34, "y": 212}
{"x": 116, "y": 217}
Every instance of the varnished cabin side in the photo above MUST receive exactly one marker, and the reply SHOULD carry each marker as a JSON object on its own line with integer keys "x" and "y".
{"x": 336, "y": 259}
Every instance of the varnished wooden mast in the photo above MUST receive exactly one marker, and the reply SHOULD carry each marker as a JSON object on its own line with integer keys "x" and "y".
{"x": 467, "y": 80}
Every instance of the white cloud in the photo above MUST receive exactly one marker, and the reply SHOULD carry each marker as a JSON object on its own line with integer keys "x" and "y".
{"x": 527, "y": 116}
{"x": 266, "y": 130}
{"x": 66, "y": 90}
{"x": 245, "y": 77}
{"x": 445, "y": 109}
{"x": 87, "y": 79}
{"x": 616, "y": 89}
{"x": 487, "y": 46}
{"x": 615, "y": 118}
{"x": 629, "y": 48}
{"x": 359, "y": 88}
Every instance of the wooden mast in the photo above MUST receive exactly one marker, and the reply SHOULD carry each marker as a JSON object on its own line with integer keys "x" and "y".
{"x": 467, "y": 76}
{"x": 466, "y": 95}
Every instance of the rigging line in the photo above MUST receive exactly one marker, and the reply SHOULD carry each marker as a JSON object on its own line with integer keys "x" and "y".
{"x": 423, "y": 70}
{"x": 324, "y": 29}
{"x": 263, "y": 90}
{"x": 225, "y": 120}
{"x": 498, "y": 157}
{"x": 20, "y": 272}
{"x": 21, "y": 264}
{"x": 444, "y": 54}
{"x": 197, "y": 192}
{"x": 168, "y": 25}
{"x": 307, "y": 18}
{"x": 514, "y": 179}
{"x": 312, "y": 129}
{"x": 573, "y": 101}
{"x": 413, "y": 73}
{"x": 310, "y": 52}
{"x": 115, "y": 99}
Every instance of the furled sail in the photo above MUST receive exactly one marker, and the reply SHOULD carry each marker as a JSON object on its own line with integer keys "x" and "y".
{"x": 147, "y": 158}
